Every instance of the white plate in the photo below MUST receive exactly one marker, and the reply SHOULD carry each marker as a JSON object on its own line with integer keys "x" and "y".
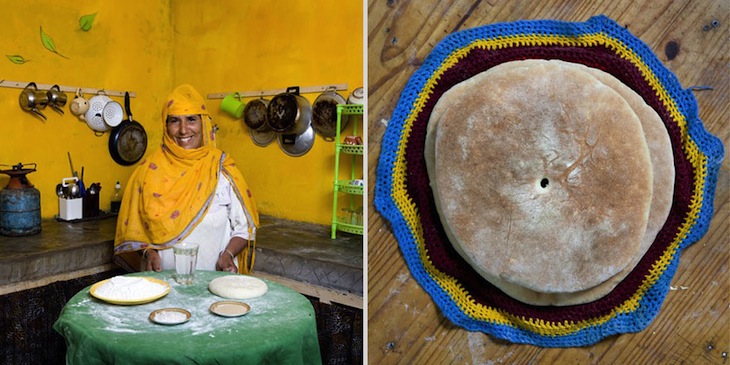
{"x": 230, "y": 308}
{"x": 170, "y": 316}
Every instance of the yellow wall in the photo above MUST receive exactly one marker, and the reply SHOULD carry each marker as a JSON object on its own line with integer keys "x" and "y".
{"x": 149, "y": 47}
{"x": 224, "y": 46}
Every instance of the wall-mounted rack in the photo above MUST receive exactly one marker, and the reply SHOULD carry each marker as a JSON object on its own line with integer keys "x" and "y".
{"x": 254, "y": 93}
{"x": 67, "y": 89}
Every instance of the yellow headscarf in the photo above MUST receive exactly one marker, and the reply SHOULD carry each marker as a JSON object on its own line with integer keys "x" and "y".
{"x": 169, "y": 193}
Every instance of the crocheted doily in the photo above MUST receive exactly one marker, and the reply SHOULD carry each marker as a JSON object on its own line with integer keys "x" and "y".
{"x": 403, "y": 195}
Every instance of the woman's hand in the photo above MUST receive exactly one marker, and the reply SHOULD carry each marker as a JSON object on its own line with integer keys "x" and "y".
{"x": 154, "y": 261}
{"x": 225, "y": 262}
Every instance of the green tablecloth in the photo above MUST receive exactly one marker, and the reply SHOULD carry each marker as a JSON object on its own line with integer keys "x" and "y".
{"x": 280, "y": 328}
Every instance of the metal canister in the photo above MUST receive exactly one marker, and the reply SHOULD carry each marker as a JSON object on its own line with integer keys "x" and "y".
{"x": 20, "y": 203}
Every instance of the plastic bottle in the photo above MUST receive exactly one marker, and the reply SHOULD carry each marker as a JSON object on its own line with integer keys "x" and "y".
{"x": 117, "y": 198}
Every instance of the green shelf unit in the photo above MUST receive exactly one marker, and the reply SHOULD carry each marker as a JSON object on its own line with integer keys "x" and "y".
{"x": 339, "y": 223}
{"x": 349, "y": 228}
{"x": 351, "y": 149}
{"x": 346, "y": 186}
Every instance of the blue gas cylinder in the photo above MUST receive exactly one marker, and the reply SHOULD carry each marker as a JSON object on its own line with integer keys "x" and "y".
{"x": 20, "y": 203}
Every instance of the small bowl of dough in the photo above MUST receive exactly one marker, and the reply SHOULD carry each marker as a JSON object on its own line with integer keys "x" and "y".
{"x": 170, "y": 316}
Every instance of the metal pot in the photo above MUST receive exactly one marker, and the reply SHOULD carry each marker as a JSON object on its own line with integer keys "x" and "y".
{"x": 296, "y": 145}
{"x": 289, "y": 112}
{"x": 324, "y": 114}
{"x": 254, "y": 114}
{"x": 56, "y": 98}
{"x": 32, "y": 100}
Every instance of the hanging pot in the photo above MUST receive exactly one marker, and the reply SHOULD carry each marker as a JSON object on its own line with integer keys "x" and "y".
{"x": 357, "y": 96}
{"x": 324, "y": 114}
{"x": 32, "y": 100}
{"x": 56, "y": 98}
{"x": 128, "y": 141}
{"x": 256, "y": 118}
{"x": 79, "y": 105}
{"x": 95, "y": 115}
{"x": 254, "y": 114}
{"x": 296, "y": 145}
{"x": 289, "y": 112}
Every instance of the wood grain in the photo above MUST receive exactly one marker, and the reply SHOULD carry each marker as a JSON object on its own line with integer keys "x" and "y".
{"x": 693, "y": 326}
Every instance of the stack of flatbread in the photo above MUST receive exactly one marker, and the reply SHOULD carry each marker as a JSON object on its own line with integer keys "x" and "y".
{"x": 551, "y": 179}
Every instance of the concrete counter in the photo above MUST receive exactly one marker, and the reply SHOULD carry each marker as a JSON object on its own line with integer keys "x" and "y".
{"x": 295, "y": 253}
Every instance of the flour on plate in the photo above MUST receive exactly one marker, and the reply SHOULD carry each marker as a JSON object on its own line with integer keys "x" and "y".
{"x": 170, "y": 317}
{"x": 130, "y": 288}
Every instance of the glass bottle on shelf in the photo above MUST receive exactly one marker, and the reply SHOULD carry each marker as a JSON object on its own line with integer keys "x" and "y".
{"x": 116, "y": 198}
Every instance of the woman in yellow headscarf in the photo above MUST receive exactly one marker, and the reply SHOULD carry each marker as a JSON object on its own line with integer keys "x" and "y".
{"x": 187, "y": 190}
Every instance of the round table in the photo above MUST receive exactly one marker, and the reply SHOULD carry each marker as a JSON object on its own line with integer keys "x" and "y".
{"x": 280, "y": 328}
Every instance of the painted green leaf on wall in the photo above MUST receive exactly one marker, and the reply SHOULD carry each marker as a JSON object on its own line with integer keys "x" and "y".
{"x": 86, "y": 21}
{"x": 16, "y": 59}
{"x": 49, "y": 44}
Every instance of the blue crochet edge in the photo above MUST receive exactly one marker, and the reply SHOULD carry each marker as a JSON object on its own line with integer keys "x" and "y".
{"x": 652, "y": 300}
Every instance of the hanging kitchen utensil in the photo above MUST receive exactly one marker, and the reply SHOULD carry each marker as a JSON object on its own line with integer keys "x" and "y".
{"x": 94, "y": 116}
{"x": 112, "y": 113}
{"x": 296, "y": 145}
{"x": 289, "y": 112}
{"x": 56, "y": 98}
{"x": 357, "y": 96}
{"x": 254, "y": 114}
{"x": 255, "y": 117}
{"x": 20, "y": 203}
{"x": 33, "y": 100}
{"x": 128, "y": 141}
{"x": 79, "y": 105}
{"x": 262, "y": 138}
{"x": 324, "y": 114}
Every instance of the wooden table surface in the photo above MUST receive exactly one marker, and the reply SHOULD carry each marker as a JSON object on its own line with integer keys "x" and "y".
{"x": 693, "y": 325}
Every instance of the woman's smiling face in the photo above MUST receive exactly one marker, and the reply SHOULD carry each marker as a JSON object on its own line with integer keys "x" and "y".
{"x": 185, "y": 130}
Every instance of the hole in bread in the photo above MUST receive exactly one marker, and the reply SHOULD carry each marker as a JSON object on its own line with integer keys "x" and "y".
{"x": 544, "y": 182}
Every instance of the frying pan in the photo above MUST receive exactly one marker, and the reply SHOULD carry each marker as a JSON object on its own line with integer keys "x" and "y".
{"x": 128, "y": 140}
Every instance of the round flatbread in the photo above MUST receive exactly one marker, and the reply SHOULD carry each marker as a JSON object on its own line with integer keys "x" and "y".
{"x": 660, "y": 153}
{"x": 238, "y": 287}
{"x": 541, "y": 175}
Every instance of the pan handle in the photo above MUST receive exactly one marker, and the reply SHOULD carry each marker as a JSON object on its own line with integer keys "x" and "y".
{"x": 126, "y": 106}
{"x": 293, "y": 89}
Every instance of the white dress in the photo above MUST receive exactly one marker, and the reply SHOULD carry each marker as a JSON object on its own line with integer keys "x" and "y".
{"x": 225, "y": 219}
